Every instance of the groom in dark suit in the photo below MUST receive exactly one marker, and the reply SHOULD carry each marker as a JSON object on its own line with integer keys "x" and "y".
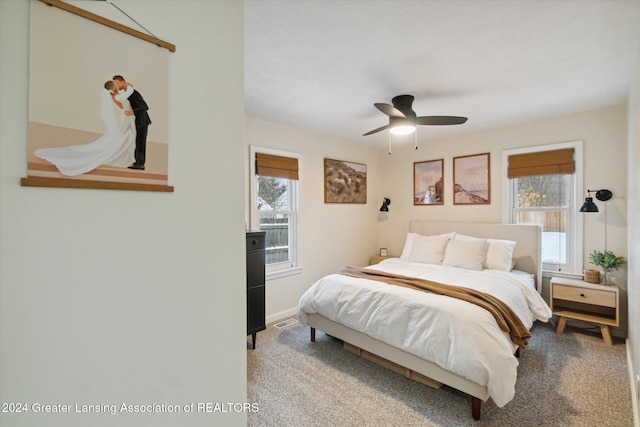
{"x": 140, "y": 108}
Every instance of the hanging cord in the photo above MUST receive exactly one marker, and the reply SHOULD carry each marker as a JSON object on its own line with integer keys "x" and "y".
{"x": 557, "y": 224}
{"x": 604, "y": 220}
{"x": 415, "y": 139}
{"x": 564, "y": 226}
{"x": 125, "y": 14}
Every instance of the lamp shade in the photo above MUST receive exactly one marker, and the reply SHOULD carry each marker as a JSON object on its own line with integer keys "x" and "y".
{"x": 401, "y": 126}
{"x": 588, "y": 205}
{"x": 602, "y": 195}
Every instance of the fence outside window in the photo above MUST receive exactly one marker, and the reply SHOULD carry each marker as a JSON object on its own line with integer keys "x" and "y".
{"x": 277, "y": 238}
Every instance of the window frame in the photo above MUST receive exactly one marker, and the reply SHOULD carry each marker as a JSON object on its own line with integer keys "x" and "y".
{"x": 575, "y": 248}
{"x": 293, "y": 266}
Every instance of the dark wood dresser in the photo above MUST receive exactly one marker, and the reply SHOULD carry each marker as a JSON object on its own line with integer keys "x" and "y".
{"x": 255, "y": 284}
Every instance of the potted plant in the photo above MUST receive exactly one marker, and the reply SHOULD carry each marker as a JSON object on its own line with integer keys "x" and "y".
{"x": 606, "y": 260}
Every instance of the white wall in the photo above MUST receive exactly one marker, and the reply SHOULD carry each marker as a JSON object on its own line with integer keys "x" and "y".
{"x": 633, "y": 160}
{"x": 331, "y": 235}
{"x": 113, "y": 296}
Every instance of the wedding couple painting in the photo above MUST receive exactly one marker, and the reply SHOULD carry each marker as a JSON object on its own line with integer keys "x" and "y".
{"x": 124, "y": 112}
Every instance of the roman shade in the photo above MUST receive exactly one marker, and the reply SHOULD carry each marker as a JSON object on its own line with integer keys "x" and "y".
{"x": 276, "y": 166}
{"x": 541, "y": 163}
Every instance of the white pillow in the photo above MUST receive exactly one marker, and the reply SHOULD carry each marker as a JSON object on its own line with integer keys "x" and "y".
{"x": 428, "y": 249}
{"x": 406, "y": 251}
{"x": 408, "y": 243}
{"x": 463, "y": 253}
{"x": 500, "y": 254}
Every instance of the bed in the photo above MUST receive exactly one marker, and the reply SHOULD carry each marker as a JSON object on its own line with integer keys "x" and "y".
{"x": 430, "y": 337}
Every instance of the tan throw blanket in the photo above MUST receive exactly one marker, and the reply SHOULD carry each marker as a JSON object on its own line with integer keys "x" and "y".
{"x": 505, "y": 317}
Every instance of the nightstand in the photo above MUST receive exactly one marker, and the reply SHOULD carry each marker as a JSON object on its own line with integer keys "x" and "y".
{"x": 587, "y": 302}
{"x": 377, "y": 258}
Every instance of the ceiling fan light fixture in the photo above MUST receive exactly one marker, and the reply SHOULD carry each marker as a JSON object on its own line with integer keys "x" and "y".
{"x": 401, "y": 126}
{"x": 403, "y": 120}
{"x": 402, "y": 130}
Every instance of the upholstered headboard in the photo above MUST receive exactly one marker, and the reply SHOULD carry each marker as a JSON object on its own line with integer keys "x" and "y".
{"x": 527, "y": 252}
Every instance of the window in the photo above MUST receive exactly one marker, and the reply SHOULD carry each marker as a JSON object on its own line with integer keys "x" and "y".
{"x": 545, "y": 200}
{"x": 542, "y": 189}
{"x": 274, "y": 193}
{"x": 276, "y": 217}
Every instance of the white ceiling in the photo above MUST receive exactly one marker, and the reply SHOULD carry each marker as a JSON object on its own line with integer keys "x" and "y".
{"x": 320, "y": 65}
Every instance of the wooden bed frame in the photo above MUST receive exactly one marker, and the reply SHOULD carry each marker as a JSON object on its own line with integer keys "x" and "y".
{"x": 527, "y": 255}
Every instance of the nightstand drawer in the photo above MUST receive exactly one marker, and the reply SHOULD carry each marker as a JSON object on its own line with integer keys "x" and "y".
{"x": 585, "y": 296}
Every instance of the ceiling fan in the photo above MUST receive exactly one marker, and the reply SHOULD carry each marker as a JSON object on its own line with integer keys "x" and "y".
{"x": 403, "y": 120}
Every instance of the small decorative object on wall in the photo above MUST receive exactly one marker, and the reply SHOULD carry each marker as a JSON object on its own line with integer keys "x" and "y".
{"x": 88, "y": 126}
{"x": 344, "y": 182}
{"x": 428, "y": 186}
{"x": 471, "y": 180}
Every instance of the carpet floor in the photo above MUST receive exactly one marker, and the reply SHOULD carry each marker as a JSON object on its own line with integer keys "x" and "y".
{"x": 571, "y": 379}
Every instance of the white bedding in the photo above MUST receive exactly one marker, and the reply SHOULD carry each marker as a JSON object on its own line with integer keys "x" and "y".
{"x": 456, "y": 335}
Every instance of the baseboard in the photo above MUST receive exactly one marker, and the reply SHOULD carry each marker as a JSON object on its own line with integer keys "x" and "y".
{"x": 634, "y": 390}
{"x": 281, "y": 315}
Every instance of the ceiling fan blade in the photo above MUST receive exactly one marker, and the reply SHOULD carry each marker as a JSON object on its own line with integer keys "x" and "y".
{"x": 440, "y": 120}
{"x": 389, "y": 110}
{"x": 376, "y": 130}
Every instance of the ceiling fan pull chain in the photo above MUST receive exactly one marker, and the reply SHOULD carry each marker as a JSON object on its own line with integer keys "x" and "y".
{"x": 389, "y": 143}
{"x": 415, "y": 139}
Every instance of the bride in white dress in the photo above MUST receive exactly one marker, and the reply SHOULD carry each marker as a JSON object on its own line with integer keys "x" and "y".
{"x": 114, "y": 148}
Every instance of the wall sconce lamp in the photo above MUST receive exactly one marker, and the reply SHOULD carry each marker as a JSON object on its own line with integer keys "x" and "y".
{"x": 385, "y": 205}
{"x": 589, "y": 206}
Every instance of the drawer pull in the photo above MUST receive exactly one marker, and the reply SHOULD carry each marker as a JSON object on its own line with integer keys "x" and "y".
{"x": 255, "y": 242}
{"x": 582, "y": 295}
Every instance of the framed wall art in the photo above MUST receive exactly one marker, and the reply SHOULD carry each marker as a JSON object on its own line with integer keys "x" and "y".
{"x": 86, "y": 130}
{"x": 344, "y": 182}
{"x": 471, "y": 180}
{"x": 428, "y": 185}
